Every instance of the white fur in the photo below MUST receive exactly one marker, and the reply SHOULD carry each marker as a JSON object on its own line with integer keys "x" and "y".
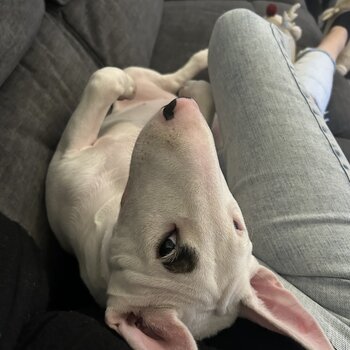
{"x": 174, "y": 178}
{"x": 117, "y": 186}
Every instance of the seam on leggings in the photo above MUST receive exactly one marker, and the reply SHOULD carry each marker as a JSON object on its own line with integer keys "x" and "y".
{"x": 312, "y": 110}
{"x": 286, "y": 276}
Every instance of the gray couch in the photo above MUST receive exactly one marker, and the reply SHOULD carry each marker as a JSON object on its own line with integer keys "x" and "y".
{"x": 49, "y": 49}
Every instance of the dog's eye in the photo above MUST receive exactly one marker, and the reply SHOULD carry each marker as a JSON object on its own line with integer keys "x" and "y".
{"x": 169, "y": 244}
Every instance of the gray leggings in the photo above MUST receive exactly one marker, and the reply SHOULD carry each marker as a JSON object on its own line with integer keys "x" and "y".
{"x": 284, "y": 168}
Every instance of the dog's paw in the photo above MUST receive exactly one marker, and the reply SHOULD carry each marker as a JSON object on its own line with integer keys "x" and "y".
{"x": 196, "y": 89}
{"x": 200, "y": 91}
{"x": 111, "y": 84}
{"x": 129, "y": 88}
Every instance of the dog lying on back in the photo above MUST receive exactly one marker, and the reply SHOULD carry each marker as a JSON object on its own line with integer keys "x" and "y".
{"x": 139, "y": 198}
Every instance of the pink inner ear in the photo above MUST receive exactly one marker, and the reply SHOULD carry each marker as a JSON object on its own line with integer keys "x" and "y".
{"x": 275, "y": 308}
{"x": 153, "y": 330}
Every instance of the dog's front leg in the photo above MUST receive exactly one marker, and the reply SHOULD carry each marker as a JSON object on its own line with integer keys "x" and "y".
{"x": 104, "y": 87}
{"x": 174, "y": 81}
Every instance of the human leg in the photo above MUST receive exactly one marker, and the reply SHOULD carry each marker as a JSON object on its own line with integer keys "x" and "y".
{"x": 339, "y": 15}
{"x": 61, "y": 330}
{"x": 24, "y": 292}
{"x": 334, "y": 42}
{"x": 283, "y": 165}
{"x": 315, "y": 67}
{"x": 23, "y": 284}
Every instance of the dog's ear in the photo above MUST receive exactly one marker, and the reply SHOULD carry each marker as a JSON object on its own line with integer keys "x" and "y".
{"x": 153, "y": 329}
{"x": 274, "y": 307}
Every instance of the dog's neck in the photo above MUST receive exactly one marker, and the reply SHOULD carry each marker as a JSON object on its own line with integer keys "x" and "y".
{"x": 92, "y": 251}
{"x": 92, "y": 247}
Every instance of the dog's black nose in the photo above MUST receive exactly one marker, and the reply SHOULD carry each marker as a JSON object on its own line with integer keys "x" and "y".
{"x": 168, "y": 110}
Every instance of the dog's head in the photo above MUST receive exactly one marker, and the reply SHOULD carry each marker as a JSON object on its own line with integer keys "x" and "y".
{"x": 181, "y": 264}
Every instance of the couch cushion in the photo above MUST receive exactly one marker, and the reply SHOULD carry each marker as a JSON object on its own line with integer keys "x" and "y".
{"x": 40, "y": 95}
{"x": 118, "y": 32}
{"x": 18, "y": 27}
{"x": 59, "y": 2}
{"x": 36, "y": 102}
{"x": 187, "y": 25}
{"x": 339, "y": 108}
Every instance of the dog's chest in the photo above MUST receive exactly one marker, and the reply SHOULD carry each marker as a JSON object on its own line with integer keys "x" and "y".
{"x": 103, "y": 173}
{"x": 103, "y": 169}
{"x": 133, "y": 114}
{"x": 117, "y": 138}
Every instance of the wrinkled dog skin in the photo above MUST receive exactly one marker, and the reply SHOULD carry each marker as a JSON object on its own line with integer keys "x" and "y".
{"x": 139, "y": 198}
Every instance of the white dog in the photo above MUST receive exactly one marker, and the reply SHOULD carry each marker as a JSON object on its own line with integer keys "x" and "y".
{"x": 139, "y": 198}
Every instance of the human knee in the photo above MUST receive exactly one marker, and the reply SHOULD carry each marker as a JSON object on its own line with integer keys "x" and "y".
{"x": 239, "y": 22}
{"x": 236, "y": 31}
